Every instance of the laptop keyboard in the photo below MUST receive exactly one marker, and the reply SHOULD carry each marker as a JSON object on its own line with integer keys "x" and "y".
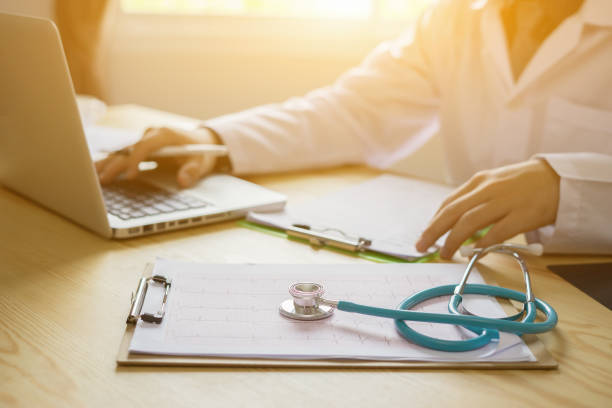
{"x": 134, "y": 199}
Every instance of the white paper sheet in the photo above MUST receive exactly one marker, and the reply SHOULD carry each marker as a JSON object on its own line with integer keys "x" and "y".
{"x": 232, "y": 310}
{"x": 102, "y": 140}
{"x": 391, "y": 211}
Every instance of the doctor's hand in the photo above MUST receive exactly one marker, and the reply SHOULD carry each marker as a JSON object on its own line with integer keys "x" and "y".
{"x": 191, "y": 169}
{"x": 515, "y": 199}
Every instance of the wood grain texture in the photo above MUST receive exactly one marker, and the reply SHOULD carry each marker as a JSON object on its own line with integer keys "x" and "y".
{"x": 64, "y": 296}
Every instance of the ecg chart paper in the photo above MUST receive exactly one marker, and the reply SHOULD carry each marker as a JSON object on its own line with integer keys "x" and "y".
{"x": 232, "y": 311}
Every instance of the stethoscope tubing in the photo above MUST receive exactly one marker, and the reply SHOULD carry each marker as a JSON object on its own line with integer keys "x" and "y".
{"x": 488, "y": 327}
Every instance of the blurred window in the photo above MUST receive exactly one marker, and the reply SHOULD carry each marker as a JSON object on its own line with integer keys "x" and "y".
{"x": 306, "y": 9}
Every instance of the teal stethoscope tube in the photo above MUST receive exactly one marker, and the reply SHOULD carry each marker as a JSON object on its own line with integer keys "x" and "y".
{"x": 487, "y": 328}
{"x": 308, "y": 303}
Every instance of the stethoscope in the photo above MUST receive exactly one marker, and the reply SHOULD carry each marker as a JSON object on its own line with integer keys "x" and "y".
{"x": 307, "y": 303}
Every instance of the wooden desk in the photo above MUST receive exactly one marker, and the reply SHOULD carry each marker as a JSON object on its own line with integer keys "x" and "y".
{"x": 64, "y": 295}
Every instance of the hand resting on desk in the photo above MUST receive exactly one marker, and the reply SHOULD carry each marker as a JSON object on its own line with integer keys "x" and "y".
{"x": 515, "y": 199}
{"x": 191, "y": 169}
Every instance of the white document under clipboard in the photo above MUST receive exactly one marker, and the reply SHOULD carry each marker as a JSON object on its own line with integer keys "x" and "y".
{"x": 384, "y": 215}
{"x": 227, "y": 315}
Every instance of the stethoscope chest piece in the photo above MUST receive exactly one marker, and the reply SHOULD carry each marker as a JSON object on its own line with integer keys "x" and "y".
{"x": 305, "y": 304}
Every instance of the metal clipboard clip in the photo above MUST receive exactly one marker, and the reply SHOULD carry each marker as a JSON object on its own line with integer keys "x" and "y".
{"x": 139, "y": 297}
{"x": 322, "y": 237}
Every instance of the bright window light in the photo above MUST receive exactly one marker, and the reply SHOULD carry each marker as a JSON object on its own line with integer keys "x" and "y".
{"x": 317, "y": 9}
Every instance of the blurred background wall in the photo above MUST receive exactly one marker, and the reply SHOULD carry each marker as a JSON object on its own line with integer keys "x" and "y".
{"x": 205, "y": 64}
{"x": 41, "y": 8}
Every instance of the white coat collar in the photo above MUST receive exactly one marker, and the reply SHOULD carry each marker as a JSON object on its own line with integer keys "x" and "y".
{"x": 597, "y": 12}
{"x": 559, "y": 44}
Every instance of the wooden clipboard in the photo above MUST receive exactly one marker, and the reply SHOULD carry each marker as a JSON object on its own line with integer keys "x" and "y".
{"x": 543, "y": 358}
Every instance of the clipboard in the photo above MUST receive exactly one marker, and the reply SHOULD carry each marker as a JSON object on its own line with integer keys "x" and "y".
{"x": 544, "y": 359}
{"x": 369, "y": 219}
{"x": 354, "y": 249}
{"x": 363, "y": 254}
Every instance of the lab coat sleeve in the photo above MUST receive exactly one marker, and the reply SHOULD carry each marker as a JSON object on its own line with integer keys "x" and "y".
{"x": 373, "y": 114}
{"x": 584, "y": 216}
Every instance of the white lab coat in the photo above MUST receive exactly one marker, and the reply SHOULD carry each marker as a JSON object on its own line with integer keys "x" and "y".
{"x": 454, "y": 69}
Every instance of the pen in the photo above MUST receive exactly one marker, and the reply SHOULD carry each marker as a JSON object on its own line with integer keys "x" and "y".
{"x": 191, "y": 150}
{"x": 173, "y": 151}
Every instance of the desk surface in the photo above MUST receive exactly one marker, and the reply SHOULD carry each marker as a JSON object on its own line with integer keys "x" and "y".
{"x": 64, "y": 295}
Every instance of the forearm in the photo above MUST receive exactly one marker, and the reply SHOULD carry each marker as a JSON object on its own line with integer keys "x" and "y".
{"x": 584, "y": 215}
{"x": 371, "y": 114}
{"x": 300, "y": 133}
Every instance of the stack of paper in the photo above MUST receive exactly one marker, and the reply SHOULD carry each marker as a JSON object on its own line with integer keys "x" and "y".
{"x": 102, "y": 140}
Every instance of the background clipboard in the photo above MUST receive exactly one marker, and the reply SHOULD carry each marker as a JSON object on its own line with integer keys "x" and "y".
{"x": 543, "y": 358}
{"x": 368, "y": 255}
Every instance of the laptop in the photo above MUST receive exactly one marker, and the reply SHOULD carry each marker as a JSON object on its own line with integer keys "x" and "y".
{"x": 44, "y": 154}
